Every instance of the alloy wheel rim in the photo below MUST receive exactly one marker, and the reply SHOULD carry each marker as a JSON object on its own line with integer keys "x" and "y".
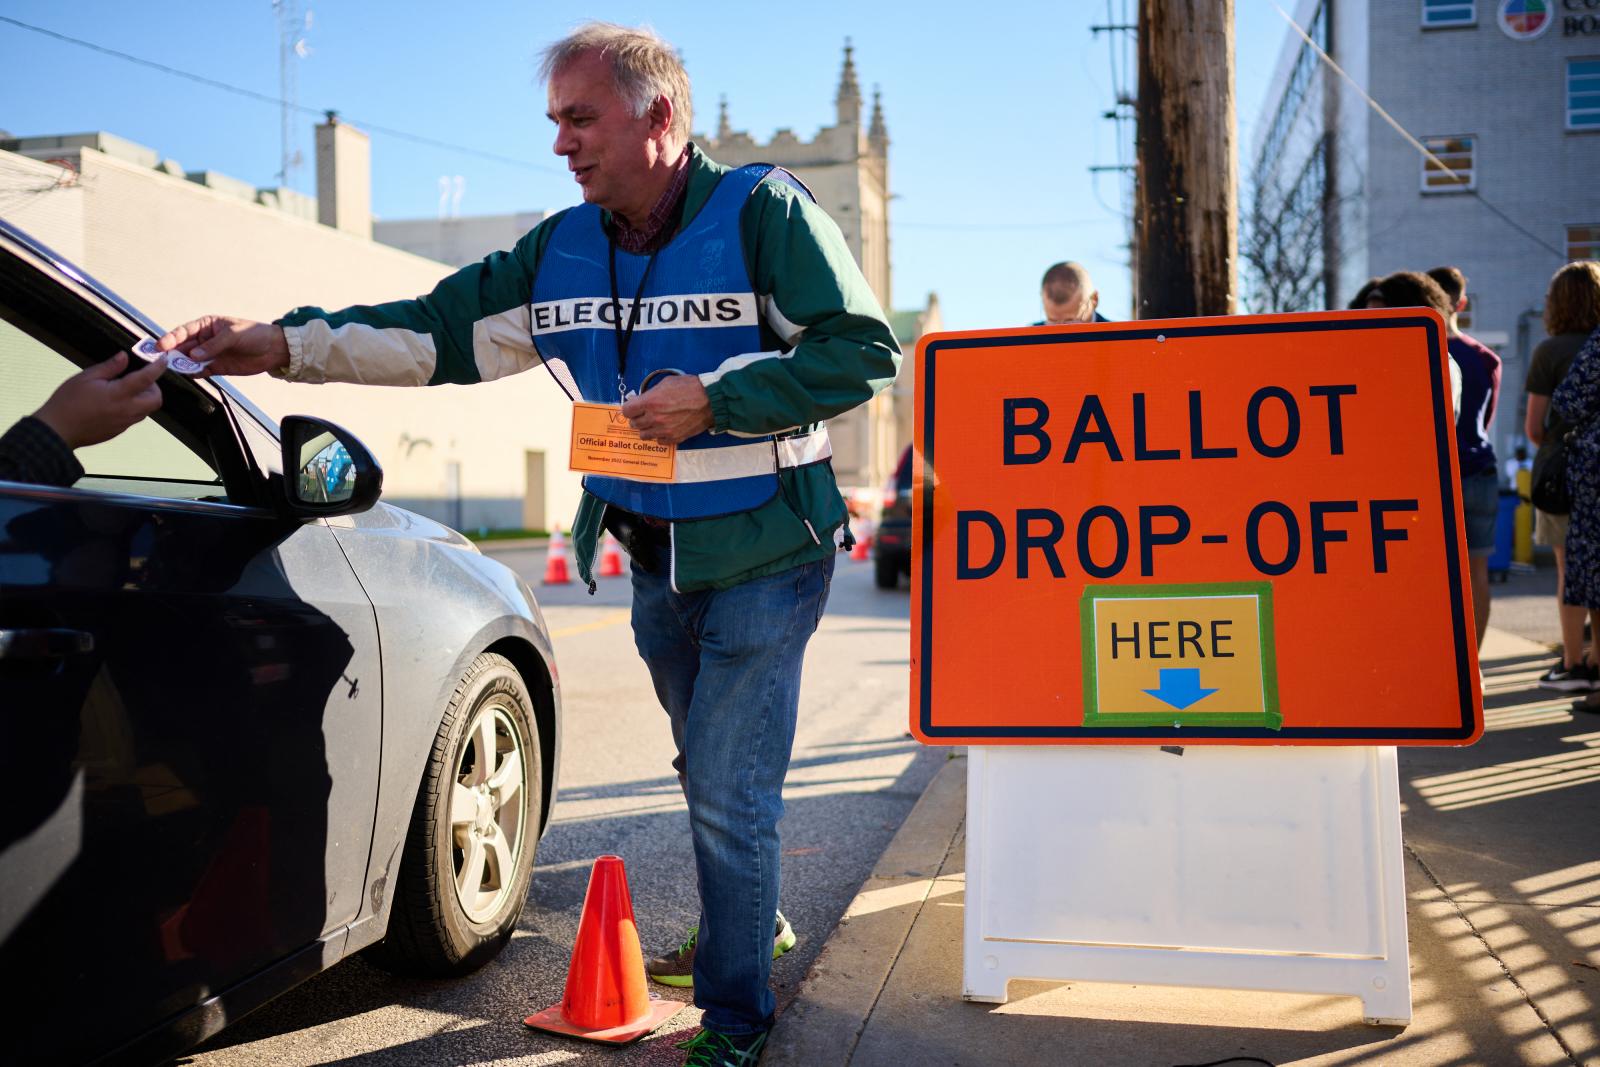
{"x": 486, "y": 811}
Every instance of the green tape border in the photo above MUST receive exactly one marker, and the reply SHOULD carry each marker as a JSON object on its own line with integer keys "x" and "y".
{"x": 1270, "y": 719}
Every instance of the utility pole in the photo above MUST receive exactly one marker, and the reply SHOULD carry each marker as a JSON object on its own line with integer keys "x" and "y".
{"x": 1186, "y": 217}
{"x": 1332, "y": 123}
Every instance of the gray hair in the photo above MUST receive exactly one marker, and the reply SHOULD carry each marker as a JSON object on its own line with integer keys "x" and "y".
{"x": 643, "y": 67}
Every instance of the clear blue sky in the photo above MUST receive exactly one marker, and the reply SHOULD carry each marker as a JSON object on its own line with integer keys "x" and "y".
{"x": 994, "y": 111}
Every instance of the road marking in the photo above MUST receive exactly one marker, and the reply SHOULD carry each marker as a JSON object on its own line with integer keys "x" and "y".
{"x": 599, "y": 624}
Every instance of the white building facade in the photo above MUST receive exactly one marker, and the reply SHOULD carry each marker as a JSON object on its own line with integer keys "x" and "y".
{"x": 179, "y": 244}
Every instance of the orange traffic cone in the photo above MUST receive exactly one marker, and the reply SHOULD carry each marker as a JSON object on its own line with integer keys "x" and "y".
{"x": 555, "y": 564}
{"x": 610, "y": 558}
{"x": 606, "y": 998}
{"x": 863, "y": 549}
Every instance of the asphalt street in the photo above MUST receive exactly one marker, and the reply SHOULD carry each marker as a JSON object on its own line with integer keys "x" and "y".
{"x": 854, "y": 776}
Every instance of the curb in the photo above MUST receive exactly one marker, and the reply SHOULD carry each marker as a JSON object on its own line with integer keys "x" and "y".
{"x": 826, "y": 1019}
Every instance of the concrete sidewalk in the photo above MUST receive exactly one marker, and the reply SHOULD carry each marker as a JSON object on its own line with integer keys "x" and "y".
{"x": 1502, "y": 845}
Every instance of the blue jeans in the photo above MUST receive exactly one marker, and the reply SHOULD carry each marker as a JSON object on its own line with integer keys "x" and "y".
{"x": 726, "y": 667}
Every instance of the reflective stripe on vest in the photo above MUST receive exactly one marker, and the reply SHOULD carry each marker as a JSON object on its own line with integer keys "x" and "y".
{"x": 697, "y": 311}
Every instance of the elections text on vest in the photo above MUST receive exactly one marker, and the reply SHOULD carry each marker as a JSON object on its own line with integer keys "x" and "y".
{"x": 677, "y": 312}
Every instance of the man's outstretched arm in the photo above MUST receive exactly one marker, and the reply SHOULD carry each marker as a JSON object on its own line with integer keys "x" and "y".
{"x": 472, "y": 327}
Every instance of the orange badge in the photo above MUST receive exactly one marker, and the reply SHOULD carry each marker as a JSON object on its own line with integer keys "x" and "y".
{"x": 1236, "y": 530}
{"x": 604, "y": 443}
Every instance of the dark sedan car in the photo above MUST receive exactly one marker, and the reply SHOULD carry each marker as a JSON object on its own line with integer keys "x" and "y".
{"x": 891, "y": 545}
{"x": 249, "y": 723}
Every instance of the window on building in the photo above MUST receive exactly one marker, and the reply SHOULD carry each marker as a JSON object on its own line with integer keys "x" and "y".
{"x": 1449, "y": 13}
{"x": 1450, "y": 168}
{"x": 1583, "y": 242}
{"x": 1583, "y": 94}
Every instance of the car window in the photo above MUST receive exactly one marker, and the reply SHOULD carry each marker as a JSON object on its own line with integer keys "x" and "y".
{"x": 148, "y": 459}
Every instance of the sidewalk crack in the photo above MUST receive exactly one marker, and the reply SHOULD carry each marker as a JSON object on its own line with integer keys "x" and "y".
{"x": 1505, "y": 970}
{"x": 889, "y": 975}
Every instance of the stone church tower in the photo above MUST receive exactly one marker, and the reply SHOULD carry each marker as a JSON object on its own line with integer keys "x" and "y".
{"x": 847, "y": 166}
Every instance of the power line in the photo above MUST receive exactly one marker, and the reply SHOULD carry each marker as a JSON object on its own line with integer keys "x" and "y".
{"x": 984, "y": 226}
{"x": 251, "y": 94}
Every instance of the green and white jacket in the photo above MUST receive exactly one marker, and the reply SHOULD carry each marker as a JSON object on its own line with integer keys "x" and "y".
{"x": 815, "y": 307}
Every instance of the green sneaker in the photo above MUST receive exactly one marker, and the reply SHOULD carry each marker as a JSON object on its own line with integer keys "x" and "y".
{"x": 711, "y": 1049}
{"x": 676, "y": 968}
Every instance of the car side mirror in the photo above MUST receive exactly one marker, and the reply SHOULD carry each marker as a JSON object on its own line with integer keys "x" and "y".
{"x": 326, "y": 469}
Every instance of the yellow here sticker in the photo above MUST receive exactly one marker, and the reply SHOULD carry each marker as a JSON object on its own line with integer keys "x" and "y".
{"x": 1199, "y": 655}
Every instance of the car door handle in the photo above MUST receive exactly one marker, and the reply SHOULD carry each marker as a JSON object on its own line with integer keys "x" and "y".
{"x": 44, "y": 643}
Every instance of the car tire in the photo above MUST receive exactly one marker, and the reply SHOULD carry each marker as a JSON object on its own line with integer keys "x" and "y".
{"x": 886, "y": 572}
{"x": 474, "y": 831}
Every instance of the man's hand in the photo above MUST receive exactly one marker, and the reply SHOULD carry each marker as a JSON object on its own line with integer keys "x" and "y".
{"x": 229, "y": 346}
{"x": 672, "y": 411}
{"x": 95, "y": 405}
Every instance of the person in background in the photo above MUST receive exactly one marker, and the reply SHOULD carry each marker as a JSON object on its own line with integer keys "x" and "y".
{"x": 1369, "y": 297}
{"x": 1454, "y": 284}
{"x": 1571, "y": 314}
{"x": 92, "y": 406}
{"x": 1480, "y": 479}
{"x": 1576, "y": 402}
{"x": 1359, "y": 301}
{"x": 1068, "y": 296}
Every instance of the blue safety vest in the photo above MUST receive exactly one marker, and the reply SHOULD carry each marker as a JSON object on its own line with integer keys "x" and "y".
{"x": 696, "y": 309}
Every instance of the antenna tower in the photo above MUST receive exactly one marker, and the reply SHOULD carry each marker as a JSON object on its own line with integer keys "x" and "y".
{"x": 292, "y": 30}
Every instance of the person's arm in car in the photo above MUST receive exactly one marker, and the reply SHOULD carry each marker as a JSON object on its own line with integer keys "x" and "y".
{"x": 94, "y": 405}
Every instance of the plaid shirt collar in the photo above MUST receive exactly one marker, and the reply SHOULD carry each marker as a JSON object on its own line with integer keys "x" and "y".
{"x": 657, "y": 229}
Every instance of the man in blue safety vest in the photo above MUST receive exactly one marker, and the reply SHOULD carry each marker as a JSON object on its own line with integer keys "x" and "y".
{"x": 723, "y": 310}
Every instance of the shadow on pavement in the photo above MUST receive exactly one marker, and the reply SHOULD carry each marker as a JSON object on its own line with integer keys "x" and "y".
{"x": 669, "y": 784}
{"x": 478, "y": 1019}
{"x": 1502, "y": 837}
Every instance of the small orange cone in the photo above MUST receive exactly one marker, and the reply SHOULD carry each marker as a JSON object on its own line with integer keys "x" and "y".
{"x": 610, "y": 558}
{"x": 555, "y": 564}
{"x": 863, "y": 549}
{"x": 606, "y": 999}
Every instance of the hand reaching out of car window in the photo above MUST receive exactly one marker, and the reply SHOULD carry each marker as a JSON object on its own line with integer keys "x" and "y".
{"x": 228, "y": 345}
{"x": 95, "y": 405}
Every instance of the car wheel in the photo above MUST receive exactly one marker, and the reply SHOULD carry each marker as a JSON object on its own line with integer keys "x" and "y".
{"x": 469, "y": 852}
{"x": 886, "y": 572}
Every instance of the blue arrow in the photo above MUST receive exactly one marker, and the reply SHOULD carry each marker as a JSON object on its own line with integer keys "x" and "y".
{"x": 1180, "y": 687}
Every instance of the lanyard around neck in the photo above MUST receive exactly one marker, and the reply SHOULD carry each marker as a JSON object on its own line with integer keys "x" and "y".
{"x": 624, "y": 334}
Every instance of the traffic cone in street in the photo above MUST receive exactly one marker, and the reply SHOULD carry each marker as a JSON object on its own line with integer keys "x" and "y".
{"x": 555, "y": 564}
{"x": 606, "y": 999}
{"x": 863, "y": 549}
{"x": 610, "y": 558}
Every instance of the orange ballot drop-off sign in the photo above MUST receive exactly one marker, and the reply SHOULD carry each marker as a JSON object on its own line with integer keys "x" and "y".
{"x": 604, "y": 443}
{"x": 1236, "y": 530}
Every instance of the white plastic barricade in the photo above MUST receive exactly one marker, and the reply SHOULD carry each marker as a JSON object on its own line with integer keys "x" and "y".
{"x": 1241, "y": 868}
